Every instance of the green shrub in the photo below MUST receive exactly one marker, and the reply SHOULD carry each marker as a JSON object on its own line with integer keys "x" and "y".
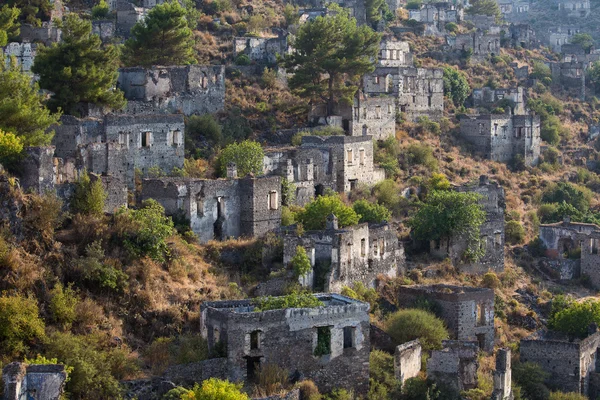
{"x": 315, "y": 213}
{"x": 217, "y": 389}
{"x": 387, "y": 193}
{"x": 300, "y": 262}
{"x": 421, "y": 154}
{"x": 537, "y": 248}
{"x": 451, "y": 27}
{"x": 530, "y": 377}
{"x": 11, "y": 148}
{"x": 294, "y": 300}
{"x": 490, "y": 280}
{"x": 514, "y": 232}
{"x": 20, "y": 324}
{"x": 63, "y": 302}
{"x": 98, "y": 273}
{"x": 569, "y": 193}
{"x": 371, "y": 212}
{"x": 100, "y": 10}
{"x": 575, "y": 319}
{"x": 247, "y": 155}
{"x": 321, "y": 131}
{"x": 410, "y": 324}
{"x": 204, "y": 126}
{"x": 323, "y": 346}
{"x": 242, "y": 59}
{"x": 566, "y": 396}
{"x": 456, "y": 86}
{"x": 288, "y": 217}
{"x": 89, "y": 197}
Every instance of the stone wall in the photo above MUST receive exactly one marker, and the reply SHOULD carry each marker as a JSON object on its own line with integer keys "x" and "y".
{"x": 407, "y": 361}
{"x": 47, "y": 34}
{"x": 590, "y": 257}
{"x": 289, "y": 338}
{"x": 127, "y": 16}
{"x": 220, "y": 208}
{"x": 455, "y": 366}
{"x": 467, "y": 311}
{"x": 191, "y": 89}
{"x": 191, "y": 373}
{"x": 105, "y": 28}
{"x": 489, "y": 98}
{"x": 503, "y": 376}
{"x": 36, "y": 170}
{"x": 481, "y": 44}
{"x": 33, "y": 382}
{"x": 374, "y": 116}
{"x": 261, "y": 50}
{"x": 22, "y": 53}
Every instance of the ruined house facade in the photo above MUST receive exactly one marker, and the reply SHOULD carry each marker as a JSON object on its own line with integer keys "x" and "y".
{"x": 467, "y": 311}
{"x": 491, "y": 232}
{"x": 358, "y": 253}
{"x": 220, "y": 208}
{"x": 339, "y": 163}
{"x": 560, "y": 35}
{"x": 570, "y": 364}
{"x": 435, "y": 16}
{"x": 489, "y": 98}
{"x": 418, "y": 91}
{"x": 117, "y": 145}
{"x": 261, "y": 50}
{"x": 22, "y": 53}
{"x": 481, "y": 44}
{"x": 33, "y": 382}
{"x": 329, "y": 344}
{"x": 455, "y": 365}
{"x": 574, "y": 8}
{"x": 189, "y": 89}
{"x": 502, "y": 137}
{"x": 47, "y": 34}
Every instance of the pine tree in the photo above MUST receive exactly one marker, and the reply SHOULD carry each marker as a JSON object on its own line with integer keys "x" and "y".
{"x": 32, "y": 11}
{"x": 330, "y": 56}
{"x": 8, "y": 23}
{"x": 163, "y": 38}
{"x": 22, "y": 109}
{"x": 79, "y": 69}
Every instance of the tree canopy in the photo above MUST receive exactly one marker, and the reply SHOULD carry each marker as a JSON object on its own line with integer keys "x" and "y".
{"x": 448, "y": 213}
{"x": 247, "y": 155}
{"x": 456, "y": 86}
{"x": 331, "y": 54}
{"x": 79, "y": 69}
{"x": 164, "y": 37}
{"x": 585, "y": 40}
{"x": 292, "y": 300}
{"x": 9, "y": 26}
{"x": 32, "y": 11}
{"x": 411, "y": 324}
{"x": 22, "y": 109}
{"x": 216, "y": 389}
{"x": 575, "y": 318}
{"x": 485, "y": 7}
{"x": 315, "y": 213}
{"x": 371, "y": 212}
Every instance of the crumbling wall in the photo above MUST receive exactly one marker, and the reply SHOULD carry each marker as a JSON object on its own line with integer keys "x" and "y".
{"x": 455, "y": 366}
{"x": 33, "y": 382}
{"x": 407, "y": 361}
{"x": 47, "y": 34}
{"x": 590, "y": 257}
{"x": 374, "y": 116}
{"x": 261, "y": 50}
{"x": 22, "y": 53}
{"x": 503, "y": 376}
{"x": 105, "y": 28}
{"x": 36, "y": 170}
{"x": 489, "y": 98}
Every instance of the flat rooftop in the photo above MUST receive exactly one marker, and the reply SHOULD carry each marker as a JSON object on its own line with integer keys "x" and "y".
{"x": 247, "y": 305}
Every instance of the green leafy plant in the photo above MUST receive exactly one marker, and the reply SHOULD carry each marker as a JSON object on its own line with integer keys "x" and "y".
{"x": 409, "y": 324}
{"x": 293, "y": 300}
{"x": 371, "y": 212}
{"x": 316, "y": 212}
{"x": 248, "y": 157}
{"x": 300, "y": 262}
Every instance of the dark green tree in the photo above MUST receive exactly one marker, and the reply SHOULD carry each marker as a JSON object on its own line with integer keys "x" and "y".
{"x": 371, "y": 212}
{"x": 445, "y": 214}
{"x": 100, "y": 10}
{"x": 162, "y": 38}
{"x": 22, "y": 109}
{"x": 585, "y": 40}
{"x": 314, "y": 215}
{"x": 456, "y": 86}
{"x": 575, "y": 319}
{"x": 8, "y": 23}
{"x": 89, "y": 197}
{"x": 32, "y": 11}
{"x": 485, "y": 7}
{"x": 331, "y": 54}
{"x": 410, "y": 324}
{"x": 376, "y": 11}
{"x": 79, "y": 69}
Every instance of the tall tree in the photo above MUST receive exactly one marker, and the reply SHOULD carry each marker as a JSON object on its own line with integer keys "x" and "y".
{"x": 485, "y": 7}
{"x": 22, "y": 109}
{"x": 79, "y": 69}
{"x": 32, "y": 11}
{"x": 9, "y": 26}
{"x": 330, "y": 56}
{"x": 456, "y": 86}
{"x": 162, "y": 38}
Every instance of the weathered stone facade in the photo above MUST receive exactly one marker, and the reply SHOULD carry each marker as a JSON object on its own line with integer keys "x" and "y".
{"x": 489, "y": 98}
{"x": 503, "y": 376}
{"x": 467, "y": 311}
{"x": 128, "y": 14}
{"x": 557, "y": 36}
{"x": 22, "y": 53}
{"x": 119, "y": 144}
{"x": 569, "y": 363}
{"x": 33, "y": 382}
{"x": 435, "y": 16}
{"x": 491, "y": 232}
{"x": 358, "y": 253}
{"x": 407, "y": 360}
{"x": 574, "y": 8}
{"x": 190, "y": 89}
{"x": 328, "y": 344}
{"x": 220, "y": 208}
{"x": 261, "y": 50}
{"x": 47, "y": 34}
{"x": 455, "y": 366}
{"x": 502, "y": 137}
{"x": 480, "y": 44}
{"x": 105, "y": 28}
{"x": 418, "y": 91}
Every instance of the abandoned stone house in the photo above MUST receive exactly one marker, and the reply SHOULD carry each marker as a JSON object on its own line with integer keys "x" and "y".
{"x": 407, "y": 360}
{"x": 105, "y": 28}
{"x": 491, "y": 233}
{"x": 329, "y": 344}
{"x": 569, "y": 73}
{"x": 572, "y": 365}
{"x": 574, "y": 8}
{"x": 47, "y": 34}
{"x": 339, "y": 163}
{"x": 33, "y": 382}
{"x": 220, "y": 208}
{"x": 189, "y": 89}
{"x": 503, "y": 376}
{"x": 455, "y": 365}
{"x": 559, "y": 35}
{"x": 480, "y": 44}
{"x": 467, "y": 311}
{"x": 435, "y": 16}
{"x": 341, "y": 256}
{"x": 502, "y": 137}
{"x": 573, "y": 249}
{"x": 260, "y": 49}
{"x": 118, "y": 145}
{"x": 23, "y": 54}
{"x": 489, "y": 98}
{"x": 127, "y": 15}
{"x": 418, "y": 91}
{"x": 523, "y": 35}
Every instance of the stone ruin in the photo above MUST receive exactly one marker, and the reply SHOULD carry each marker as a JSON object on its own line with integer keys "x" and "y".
{"x": 455, "y": 366}
{"x": 220, "y": 208}
{"x": 329, "y": 345}
{"x": 105, "y": 28}
{"x": 260, "y": 49}
{"x": 572, "y": 364}
{"x": 418, "y": 91}
{"x": 574, "y": 8}
{"x": 33, "y": 382}
{"x": 559, "y": 35}
{"x": 489, "y": 98}
{"x": 339, "y": 163}
{"x": 407, "y": 361}
{"x": 480, "y": 44}
{"x": 342, "y": 256}
{"x": 467, "y": 311}
{"x": 436, "y": 15}
{"x": 47, "y": 34}
{"x": 128, "y": 14}
{"x": 190, "y": 89}
{"x": 491, "y": 232}
{"x": 22, "y": 53}
{"x": 503, "y": 376}
{"x": 503, "y": 137}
